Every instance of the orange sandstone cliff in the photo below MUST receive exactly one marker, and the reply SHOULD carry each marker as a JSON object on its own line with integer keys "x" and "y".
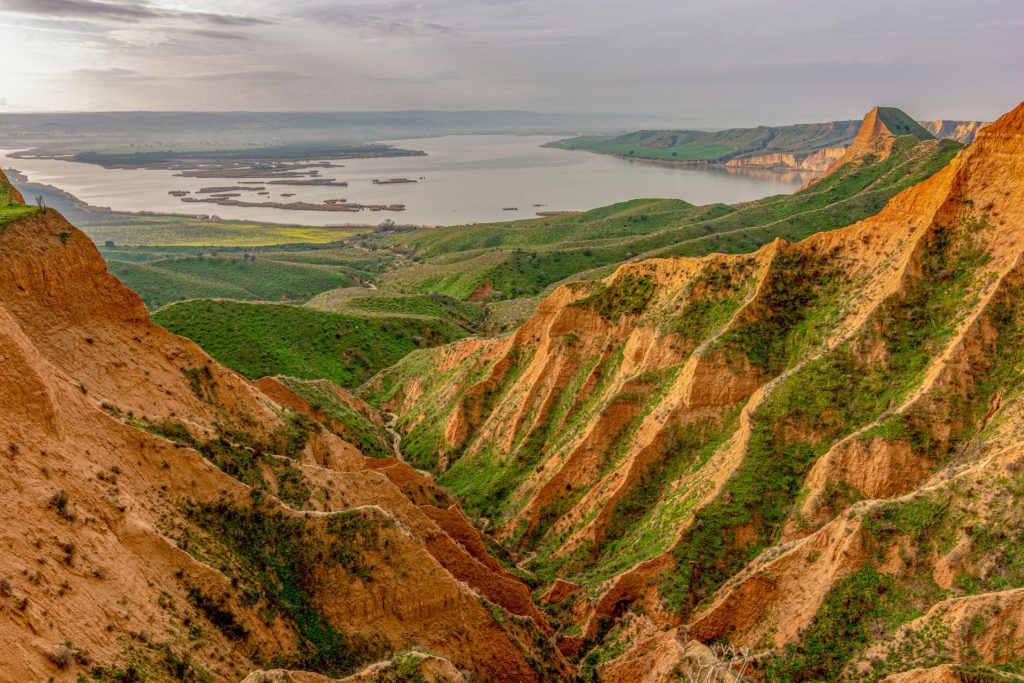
{"x": 166, "y": 519}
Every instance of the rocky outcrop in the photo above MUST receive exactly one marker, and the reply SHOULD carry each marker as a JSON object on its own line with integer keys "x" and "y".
{"x": 961, "y": 131}
{"x": 815, "y": 161}
{"x": 875, "y": 138}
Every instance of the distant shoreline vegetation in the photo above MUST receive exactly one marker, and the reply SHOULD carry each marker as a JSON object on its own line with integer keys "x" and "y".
{"x": 299, "y": 151}
{"x": 762, "y": 145}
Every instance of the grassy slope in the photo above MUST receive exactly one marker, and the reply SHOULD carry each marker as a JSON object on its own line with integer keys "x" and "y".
{"x": 719, "y": 146}
{"x": 523, "y": 258}
{"x": 162, "y": 282}
{"x": 369, "y": 437}
{"x": 830, "y": 393}
{"x": 271, "y": 339}
{"x": 363, "y": 301}
{"x": 9, "y": 210}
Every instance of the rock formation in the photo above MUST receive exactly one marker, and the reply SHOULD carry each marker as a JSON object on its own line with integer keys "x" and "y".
{"x": 167, "y": 518}
{"x": 961, "y": 131}
{"x": 802, "y": 463}
{"x": 737, "y": 448}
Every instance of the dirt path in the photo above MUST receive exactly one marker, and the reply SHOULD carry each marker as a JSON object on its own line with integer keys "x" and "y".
{"x": 396, "y": 438}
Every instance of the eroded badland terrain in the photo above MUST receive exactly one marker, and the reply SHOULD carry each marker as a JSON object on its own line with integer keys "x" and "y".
{"x": 801, "y": 463}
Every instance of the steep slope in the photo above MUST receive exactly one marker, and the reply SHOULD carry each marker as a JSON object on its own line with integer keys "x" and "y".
{"x": 168, "y": 520}
{"x": 876, "y": 138}
{"x": 798, "y": 451}
{"x": 270, "y": 339}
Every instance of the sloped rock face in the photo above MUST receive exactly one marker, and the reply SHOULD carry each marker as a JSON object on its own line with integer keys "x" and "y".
{"x": 168, "y": 518}
{"x": 961, "y": 131}
{"x": 743, "y": 447}
{"x": 817, "y": 161}
{"x": 15, "y": 196}
{"x": 879, "y": 132}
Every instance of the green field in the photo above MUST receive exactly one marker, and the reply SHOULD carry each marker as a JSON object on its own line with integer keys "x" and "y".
{"x": 259, "y": 340}
{"x": 235, "y": 276}
{"x": 127, "y": 229}
{"x": 362, "y": 301}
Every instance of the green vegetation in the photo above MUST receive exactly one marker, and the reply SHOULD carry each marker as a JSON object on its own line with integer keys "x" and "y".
{"x": 644, "y": 521}
{"x": 363, "y": 301}
{"x": 9, "y": 209}
{"x": 625, "y": 296}
{"x": 795, "y": 304}
{"x": 259, "y": 340}
{"x": 626, "y": 146}
{"x": 719, "y": 146}
{"x": 524, "y": 258}
{"x": 899, "y": 123}
{"x": 849, "y": 618}
{"x": 282, "y": 560}
{"x": 180, "y": 231}
{"x": 349, "y": 423}
{"x": 714, "y": 298}
{"x": 237, "y": 277}
{"x": 824, "y": 400}
{"x": 248, "y": 459}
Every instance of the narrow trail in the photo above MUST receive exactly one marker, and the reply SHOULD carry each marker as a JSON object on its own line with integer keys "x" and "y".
{"x": 396, "y": 438}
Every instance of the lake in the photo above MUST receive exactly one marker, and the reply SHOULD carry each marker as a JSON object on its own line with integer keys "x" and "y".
{"x": 465, "y": 179}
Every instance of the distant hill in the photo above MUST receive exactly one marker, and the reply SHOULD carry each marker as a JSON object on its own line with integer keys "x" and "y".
{"x": 800, "y": 141}
{"x": 961, "y": 131}
{"x": 523, "y": 258}
{"x": 804, "y": 146}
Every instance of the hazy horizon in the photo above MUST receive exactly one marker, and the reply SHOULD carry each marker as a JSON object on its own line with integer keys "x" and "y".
{"x": 702, "y": 64}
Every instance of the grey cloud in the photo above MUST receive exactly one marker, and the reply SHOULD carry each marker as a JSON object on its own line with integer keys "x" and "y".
{"x": 117, "y": 11}
{"x": 255, "y": 75}
{"x": 333, "y": 14}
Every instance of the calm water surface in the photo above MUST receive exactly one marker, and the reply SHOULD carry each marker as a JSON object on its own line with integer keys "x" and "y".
{"x": 466, "y": 179}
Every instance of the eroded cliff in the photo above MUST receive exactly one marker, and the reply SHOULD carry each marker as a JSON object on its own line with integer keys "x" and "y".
{"x": 738, "y": 448}
{"x": 166, "y": 519}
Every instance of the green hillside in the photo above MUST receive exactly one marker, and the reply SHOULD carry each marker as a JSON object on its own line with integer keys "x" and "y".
{"x": 370, "y": 437}
{"x": 235, "y": 276}
{"x": 364, "y": 301}
{"x": 719, "y": 146}
{"x": 899, "y": 123}
{"x": 9, "y": 210}
{"x": 523, "y": 258}
{"x": 259, "y": 340}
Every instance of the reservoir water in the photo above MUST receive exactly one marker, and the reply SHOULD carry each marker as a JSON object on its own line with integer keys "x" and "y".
{"x": 463, "y": 179}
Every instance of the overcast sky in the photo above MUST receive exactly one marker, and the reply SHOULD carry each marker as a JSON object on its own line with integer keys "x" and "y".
{"x": 709, "y": 62}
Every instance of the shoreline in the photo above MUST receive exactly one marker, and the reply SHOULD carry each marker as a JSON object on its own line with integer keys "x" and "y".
{"x": 735, "y": 168}
{"x": 101, "y": 211}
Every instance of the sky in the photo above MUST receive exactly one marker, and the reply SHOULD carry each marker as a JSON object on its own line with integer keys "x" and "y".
{"x": 705, "y": 62}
